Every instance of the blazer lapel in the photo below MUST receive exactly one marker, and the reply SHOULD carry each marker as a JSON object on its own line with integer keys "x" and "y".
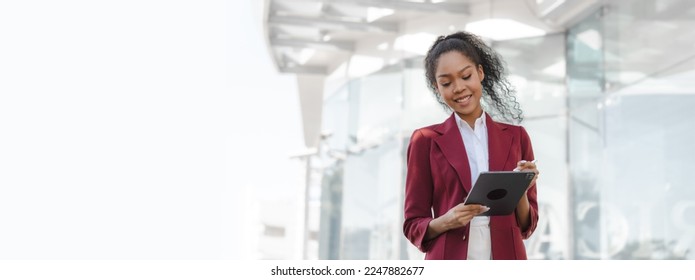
{"x": 454, "y": 151}
{"x": 499, "y": 144}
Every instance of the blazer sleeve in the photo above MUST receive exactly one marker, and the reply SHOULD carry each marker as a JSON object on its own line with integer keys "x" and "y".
{"x": 527, "y": 153}
{"x": 418, "y": 191}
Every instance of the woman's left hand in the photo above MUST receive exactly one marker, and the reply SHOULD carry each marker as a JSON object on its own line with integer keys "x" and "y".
{"x": 524, "y": 165}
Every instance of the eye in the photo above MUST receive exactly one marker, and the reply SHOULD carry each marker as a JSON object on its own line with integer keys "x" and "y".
{"x": 445, "y": 84}
{"x": 467, "y": 77}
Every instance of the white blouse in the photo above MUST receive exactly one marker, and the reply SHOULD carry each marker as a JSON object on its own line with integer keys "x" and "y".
{"x": 475, "y": 141}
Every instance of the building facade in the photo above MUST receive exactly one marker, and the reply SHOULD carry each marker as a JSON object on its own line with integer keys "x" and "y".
{"x": 607, "y": 89}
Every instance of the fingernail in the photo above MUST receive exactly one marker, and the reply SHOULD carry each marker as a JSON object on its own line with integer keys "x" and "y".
{"x": 516, "y": 169}
{"x": 485, "y": 208}
{"x": 522, "y": 161}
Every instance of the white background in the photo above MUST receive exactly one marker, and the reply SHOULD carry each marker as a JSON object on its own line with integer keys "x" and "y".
{"x": 134, "y": 129}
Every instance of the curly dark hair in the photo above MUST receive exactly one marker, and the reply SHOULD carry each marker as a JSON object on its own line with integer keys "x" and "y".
{"x": 499, "y": 98}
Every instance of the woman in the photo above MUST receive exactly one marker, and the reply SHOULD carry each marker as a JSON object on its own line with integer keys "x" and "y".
{"x": 444, "y": 160}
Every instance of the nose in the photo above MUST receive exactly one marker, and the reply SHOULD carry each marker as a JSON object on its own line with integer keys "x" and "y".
{"x": 458, "y": 86}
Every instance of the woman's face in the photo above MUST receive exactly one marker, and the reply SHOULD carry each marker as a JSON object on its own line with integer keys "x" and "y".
{"x": 459, "y": 84}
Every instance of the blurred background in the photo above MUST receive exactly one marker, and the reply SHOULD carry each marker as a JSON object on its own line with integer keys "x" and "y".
{"x": 607, "y": 91}
{"x": 277, "y": 129}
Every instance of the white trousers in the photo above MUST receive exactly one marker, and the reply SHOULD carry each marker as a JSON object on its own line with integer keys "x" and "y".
{"x": 479, "y": 241}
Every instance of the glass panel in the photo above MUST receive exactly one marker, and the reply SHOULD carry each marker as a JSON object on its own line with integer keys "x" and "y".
{"x": 585, "y": 62}
{"x": 551, "y": 238}
{"x": 631, "y": 133}
{"x": 379, "y": 105}
{"x": 330, "y": 212}
{"x": 333, "y": 147}
{"x": 336, "y": 109}
{"x": 371, "y": 203}
{"x": 372, "y": 208}
{"x": 537, "y": 70}
{"x": 650, "y": 200}
{"x": 585, "y": 89}
{"x": 646, "y": 37}
{"x": 420, "y": 106}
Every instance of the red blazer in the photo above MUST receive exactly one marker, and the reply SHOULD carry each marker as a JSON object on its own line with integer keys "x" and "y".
{"x": 439, "y": 177}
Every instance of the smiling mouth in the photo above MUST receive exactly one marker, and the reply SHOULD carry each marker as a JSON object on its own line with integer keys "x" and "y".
{"x": 463, "y": 99}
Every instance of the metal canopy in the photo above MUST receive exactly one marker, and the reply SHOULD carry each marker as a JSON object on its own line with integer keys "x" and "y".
{"x": 307, "y": 36}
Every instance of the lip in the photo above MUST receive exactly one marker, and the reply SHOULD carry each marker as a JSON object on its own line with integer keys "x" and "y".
{"x": 464, "y": 100}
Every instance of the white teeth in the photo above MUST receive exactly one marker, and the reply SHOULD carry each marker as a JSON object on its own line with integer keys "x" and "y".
{"x": 462, "y": 99}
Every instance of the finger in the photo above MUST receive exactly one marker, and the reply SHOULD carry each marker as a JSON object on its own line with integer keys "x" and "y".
{"x": 471, "y": 207}
{"x": 524, "y": 168}
{"x": 528, "y": 166}
{"x": 526, "y": 163}
{"x": 474, "y": 211}
{"x": 532, "y": 169}
{"x": 458, "y": 208}
{"x": 521, "y": 165}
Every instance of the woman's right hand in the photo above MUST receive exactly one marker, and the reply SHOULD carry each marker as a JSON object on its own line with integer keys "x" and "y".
{"x": 462, "y": 214}
{"x": 458, "y": 216}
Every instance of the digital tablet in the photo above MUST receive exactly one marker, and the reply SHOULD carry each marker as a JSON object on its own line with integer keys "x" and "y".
{"x": 499, "y": 190}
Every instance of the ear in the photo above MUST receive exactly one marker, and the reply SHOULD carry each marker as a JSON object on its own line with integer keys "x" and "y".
{"x": 481, "y": 73}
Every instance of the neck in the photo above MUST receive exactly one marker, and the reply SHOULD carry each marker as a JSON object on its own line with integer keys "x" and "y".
{"x": 470, "y": 119}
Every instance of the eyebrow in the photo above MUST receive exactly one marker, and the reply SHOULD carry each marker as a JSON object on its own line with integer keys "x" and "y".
{"x": 464, "y": 68}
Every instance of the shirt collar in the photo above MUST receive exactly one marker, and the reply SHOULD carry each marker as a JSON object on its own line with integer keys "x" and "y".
{"x": 478, "y": 122}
